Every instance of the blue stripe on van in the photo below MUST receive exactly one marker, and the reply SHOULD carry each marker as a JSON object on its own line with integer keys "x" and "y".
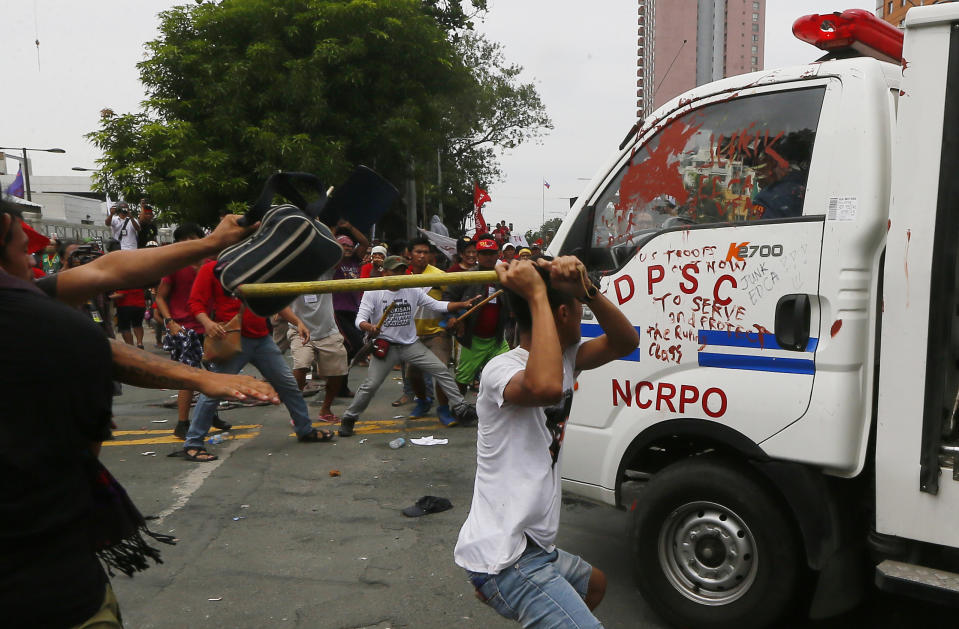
{"x": 594, "y": 330}
{"x": 746, "y": 339}
{"x": 757, "y": 363}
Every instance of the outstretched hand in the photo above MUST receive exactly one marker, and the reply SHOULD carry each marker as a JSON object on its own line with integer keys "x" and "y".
{"x": 236, "y": 387}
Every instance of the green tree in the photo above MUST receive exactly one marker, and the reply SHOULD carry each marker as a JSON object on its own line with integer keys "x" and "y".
{"x": 545, "y": 231}
{"x": 239, "y": 89}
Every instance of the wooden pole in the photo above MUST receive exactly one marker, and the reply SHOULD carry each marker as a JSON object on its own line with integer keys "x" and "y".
{"x": 393, "y": 282}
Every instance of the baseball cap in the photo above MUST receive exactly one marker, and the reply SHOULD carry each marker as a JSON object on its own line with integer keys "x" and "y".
{"x": 394, "y": 262}
{"x": 462, "y": 243}
{"x": 380, "y": 249}
{"x": 344, "y": 240}
{"x": 509, "y": 244}
{"x": 524, "y": 250}
{"x": 487, "y": 244}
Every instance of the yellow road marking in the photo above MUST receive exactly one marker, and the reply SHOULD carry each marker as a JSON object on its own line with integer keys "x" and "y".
{"x": 170, "y": 439}
{"x": 385, "y": 426}
{"x": 166, "y": 431}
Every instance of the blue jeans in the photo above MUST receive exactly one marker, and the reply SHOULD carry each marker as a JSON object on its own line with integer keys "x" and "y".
{"x": 542, "y": 590}
{"x": 266, "y": 357}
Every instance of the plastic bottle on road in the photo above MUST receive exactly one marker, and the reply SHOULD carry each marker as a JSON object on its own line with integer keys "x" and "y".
{"x": 398, "y": 443}
{"x": 218, "y": 438}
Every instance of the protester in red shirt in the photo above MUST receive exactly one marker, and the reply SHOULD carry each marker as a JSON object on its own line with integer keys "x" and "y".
{"x": 184, "y": 334}
{"x": 374, "y": 268}
{"x": 131, "y": 304}
{"x": 466, "y": 249}
{"x": 482, "y": 335}
{"x": 213, "y": 308}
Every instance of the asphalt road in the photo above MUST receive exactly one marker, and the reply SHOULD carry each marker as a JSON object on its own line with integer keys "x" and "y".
{"x": 270, "y": 536}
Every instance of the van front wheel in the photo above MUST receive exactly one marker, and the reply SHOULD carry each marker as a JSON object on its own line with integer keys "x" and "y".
{"x": 713, "y": 548}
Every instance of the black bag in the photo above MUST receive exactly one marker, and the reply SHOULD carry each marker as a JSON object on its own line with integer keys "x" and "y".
{"x": 290, "y": 245}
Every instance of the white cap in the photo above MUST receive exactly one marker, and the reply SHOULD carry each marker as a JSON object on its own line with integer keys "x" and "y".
{"x": 380, "y": 249}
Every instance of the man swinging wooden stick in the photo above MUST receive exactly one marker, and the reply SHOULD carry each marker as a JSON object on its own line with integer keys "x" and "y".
{"x": 397, "y": 340}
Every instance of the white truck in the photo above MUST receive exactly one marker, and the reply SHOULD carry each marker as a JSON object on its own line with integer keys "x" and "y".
{"x": 786, "y": 242}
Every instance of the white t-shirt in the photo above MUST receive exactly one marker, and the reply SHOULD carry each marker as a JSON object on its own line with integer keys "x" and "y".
{"x": 316, "y": 311}
{"x": 128, "y": 240}
{"x": 517, "y": 488}
{"x": 399, "y": 327}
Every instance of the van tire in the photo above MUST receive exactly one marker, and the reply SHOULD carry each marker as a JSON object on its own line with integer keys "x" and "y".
{"x": 713, "y": 548}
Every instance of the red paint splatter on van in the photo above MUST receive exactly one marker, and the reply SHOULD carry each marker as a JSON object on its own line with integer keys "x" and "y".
{"x": 888, "y": 224}
{"x": 658, "y": 174}
{"x": 834, "y": 330}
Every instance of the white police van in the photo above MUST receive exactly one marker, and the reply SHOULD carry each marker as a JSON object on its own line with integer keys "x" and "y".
{"x": 786, "y": 244}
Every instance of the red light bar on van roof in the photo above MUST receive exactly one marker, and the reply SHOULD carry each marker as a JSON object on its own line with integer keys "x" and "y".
{"x": 855, "y": 28}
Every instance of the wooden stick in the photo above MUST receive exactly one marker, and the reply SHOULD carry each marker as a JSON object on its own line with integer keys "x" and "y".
{"x": 393, "y": 282}
{"x": 479, "y": 305}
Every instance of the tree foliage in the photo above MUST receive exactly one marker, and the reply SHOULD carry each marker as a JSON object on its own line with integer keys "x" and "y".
{"x": 243, "y": 88}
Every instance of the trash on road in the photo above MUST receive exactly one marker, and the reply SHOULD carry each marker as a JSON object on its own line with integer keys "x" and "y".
{"x": 149, "y": 453}
{"x": 364, "y": 440}
{"x": 427, "y": 504}
{"x": 239, "y": 517}
{"x": 398, "y": 443}
{"x": 159, "y": 421}
{"x": 334, "y": 472}
{"x": 218, "y": 598}
{"x": 429, "y": 441}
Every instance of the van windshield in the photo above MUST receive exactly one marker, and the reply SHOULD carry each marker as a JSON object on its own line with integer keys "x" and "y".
{"x": 741, "y": 159}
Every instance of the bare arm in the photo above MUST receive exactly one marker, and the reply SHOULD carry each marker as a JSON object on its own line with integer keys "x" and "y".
{"x": 143, "y": 267}
{"x": 288, "y": 315}
{"x": 143, "y": 369}
{"x": 362, "y": 243}
{"x": 620, "y": 337}
{"x": 541, "y": 383}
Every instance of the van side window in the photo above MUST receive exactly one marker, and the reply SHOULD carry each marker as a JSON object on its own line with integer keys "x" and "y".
{"x": 743, "y": 159}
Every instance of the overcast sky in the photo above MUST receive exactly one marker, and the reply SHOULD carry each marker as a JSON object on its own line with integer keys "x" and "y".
{"x": 581, "y": 56}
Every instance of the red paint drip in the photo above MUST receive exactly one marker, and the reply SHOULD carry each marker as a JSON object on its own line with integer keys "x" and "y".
{"x": 905, "y": 64}
{"x": 902, "y": 92}
{"x": 888, "y": 224}
{"x": 762, "y": 332}
{"x": 835, "y": 328}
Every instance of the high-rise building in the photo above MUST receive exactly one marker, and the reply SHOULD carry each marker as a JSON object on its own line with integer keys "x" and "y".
{"x": 685, "y": 43}
{"x": 894, "y": 11}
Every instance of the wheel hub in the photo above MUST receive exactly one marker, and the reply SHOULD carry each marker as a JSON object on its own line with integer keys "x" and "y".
{"x": 708, "y": 553}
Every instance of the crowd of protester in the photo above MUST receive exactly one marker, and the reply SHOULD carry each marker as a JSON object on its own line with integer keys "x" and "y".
{"x": 439, "y": 339}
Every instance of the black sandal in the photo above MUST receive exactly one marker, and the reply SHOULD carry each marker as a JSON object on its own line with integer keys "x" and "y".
{"x": 199, "y": 451}
{"x": 316, "y": 436}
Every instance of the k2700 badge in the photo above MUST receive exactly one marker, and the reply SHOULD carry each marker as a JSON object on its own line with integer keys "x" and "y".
{"x": 743, "y": 250}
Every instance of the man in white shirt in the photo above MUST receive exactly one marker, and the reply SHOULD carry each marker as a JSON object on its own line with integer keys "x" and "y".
{"x": 325, "y": 347}
{"x": 123, "y": 225}
{"x": 507, "y": 544}
{"x": 401, "y": 343}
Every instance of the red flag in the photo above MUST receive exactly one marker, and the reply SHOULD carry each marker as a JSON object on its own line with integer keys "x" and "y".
{"x": 480, "y": 197}
{"x": 35, "y": 240}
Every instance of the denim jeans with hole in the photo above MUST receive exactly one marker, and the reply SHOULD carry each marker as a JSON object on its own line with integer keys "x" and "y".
{"x": 542, "y": 590}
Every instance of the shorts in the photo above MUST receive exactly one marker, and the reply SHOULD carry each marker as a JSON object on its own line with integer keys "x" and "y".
{"x": 129, "y": 316}
{"x": 186, "y": 346}
{"x": 328, "y": 352}
{"x": 549, "y": 588}
{"x": 478, "y": 354}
